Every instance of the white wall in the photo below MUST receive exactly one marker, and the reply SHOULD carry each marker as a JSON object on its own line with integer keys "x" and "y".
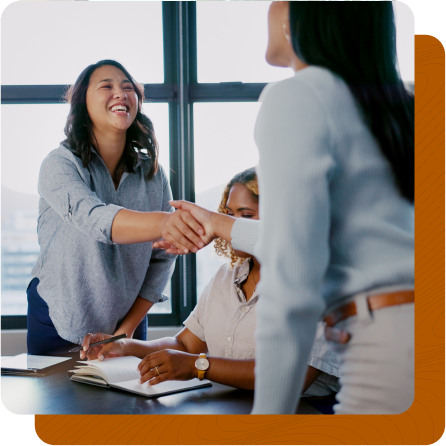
{"x": 14, "y": 341}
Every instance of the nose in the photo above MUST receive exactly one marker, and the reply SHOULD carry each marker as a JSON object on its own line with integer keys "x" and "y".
{"x": 120, "y": 93}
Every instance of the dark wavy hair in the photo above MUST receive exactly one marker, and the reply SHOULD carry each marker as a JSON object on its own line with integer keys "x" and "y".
{"x": 80, "y": 139}
{"x": 357, "y": 41}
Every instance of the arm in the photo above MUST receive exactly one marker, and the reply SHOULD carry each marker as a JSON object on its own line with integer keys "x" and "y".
{"x": 161, "y": 264}
{"x": 64, "y": 186}
{"x": 242, "y": 233}
{"x": 295, "y": 170}
{"x": 176, "y": 363}
{"x": 135, "y": 315}
{"x": 180, "y": 365}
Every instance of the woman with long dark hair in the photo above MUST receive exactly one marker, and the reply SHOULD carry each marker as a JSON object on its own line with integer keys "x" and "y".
{"x": 104, "y": 198}
{"x": 336, "y": 240}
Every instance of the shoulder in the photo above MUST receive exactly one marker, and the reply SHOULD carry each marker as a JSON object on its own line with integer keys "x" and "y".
{"x": 222, "y": 279}
{"x": 146, "y": 163}
{"x": 312, "y": 88}
{"x": 224, "y": 275}
{"x": 61, "y": 156}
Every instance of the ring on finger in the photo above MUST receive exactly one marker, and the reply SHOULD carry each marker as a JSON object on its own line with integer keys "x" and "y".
{"x": 157, "y": 371}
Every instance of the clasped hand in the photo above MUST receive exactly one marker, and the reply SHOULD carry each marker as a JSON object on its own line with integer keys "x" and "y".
{"x": 189, "y": 228}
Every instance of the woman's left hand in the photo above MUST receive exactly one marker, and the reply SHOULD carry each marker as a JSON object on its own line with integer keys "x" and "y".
{"x": 171, "y": 364}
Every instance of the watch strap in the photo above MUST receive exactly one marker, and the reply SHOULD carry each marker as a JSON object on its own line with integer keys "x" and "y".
{"x": 202, "y": 373}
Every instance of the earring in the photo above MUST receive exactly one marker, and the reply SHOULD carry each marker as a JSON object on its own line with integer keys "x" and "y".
{"x": 286, "y": 32}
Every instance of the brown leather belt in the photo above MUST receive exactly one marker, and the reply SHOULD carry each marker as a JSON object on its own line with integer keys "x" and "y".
{"x": 374, "y": 303}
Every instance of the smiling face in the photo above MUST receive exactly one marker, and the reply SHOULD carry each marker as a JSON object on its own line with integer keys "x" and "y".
{"x": 241, "y": 204}
{"x": 112, "y": 102}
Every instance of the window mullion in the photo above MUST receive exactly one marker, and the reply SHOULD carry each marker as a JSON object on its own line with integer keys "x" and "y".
{"x": 179, "y": 69}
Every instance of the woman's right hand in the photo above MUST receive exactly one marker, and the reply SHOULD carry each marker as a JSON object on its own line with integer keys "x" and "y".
{"x": 112, "y": 349}
{"x": 201, "y": 215}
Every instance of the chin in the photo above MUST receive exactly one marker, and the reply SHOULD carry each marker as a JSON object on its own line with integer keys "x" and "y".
{"x": 275, "y": 59}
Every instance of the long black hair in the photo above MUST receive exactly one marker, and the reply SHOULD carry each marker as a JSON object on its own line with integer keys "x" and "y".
{"x": 357, "y": 41}
{"x": 78, "y": 128}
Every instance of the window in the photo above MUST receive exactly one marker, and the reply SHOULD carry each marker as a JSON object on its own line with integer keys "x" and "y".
{"x": 202, "y": 80}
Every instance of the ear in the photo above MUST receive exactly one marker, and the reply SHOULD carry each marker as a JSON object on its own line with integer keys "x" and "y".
{"x": 286, "y": 22}
{"x": 286, "y": 31}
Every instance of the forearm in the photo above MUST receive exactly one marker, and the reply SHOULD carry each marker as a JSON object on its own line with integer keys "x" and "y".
{"x": 135, "y": 315}
{"x": 136, "y": 227}
{"x": 310, "y": 377}
{"x": 231, "y": 372}
{"x": 222, "y": 225}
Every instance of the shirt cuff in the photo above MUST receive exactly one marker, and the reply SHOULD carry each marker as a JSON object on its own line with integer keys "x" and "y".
{"x": 324, "y": 366}
{"x": 244, "y": 235}
{"x": 152, "y": 295}
{"x": 193, "y": 325}
{"x": 106, "y": 221}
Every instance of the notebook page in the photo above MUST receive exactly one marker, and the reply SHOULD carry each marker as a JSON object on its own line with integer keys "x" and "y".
{"x": 165, "y": 387}
{"x": 117, "y": 369}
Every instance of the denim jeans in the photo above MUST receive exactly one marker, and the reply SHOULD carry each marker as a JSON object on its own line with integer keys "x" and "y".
{"x": 42, "y": 338}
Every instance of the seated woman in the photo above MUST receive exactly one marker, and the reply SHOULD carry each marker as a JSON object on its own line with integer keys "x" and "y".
{"x": 222, "y": 323}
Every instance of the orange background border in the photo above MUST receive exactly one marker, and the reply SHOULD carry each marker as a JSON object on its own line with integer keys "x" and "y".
{"x": 423, "y": 423}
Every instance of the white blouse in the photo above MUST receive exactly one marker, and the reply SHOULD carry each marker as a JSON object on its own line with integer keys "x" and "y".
{"x": 226, "y": 322}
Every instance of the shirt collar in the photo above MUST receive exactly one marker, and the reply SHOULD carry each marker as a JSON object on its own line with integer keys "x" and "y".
{"x": 241, "y": 272}
{"x": 141, "y": 157}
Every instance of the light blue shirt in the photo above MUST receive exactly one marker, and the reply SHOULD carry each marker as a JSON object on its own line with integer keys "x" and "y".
{"x": 89, "y": 282}
{"x": 332, "y": 223}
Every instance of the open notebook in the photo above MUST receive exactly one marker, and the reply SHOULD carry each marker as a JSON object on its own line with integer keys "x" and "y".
{"x": 121, "y": 373}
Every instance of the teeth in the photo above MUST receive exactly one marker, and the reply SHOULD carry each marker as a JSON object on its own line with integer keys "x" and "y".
{"x": 119, "y": 108}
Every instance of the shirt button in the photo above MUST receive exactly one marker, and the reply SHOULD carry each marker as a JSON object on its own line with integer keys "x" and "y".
{"x": 243, "y": 309}
{"x": 229, "y": 338}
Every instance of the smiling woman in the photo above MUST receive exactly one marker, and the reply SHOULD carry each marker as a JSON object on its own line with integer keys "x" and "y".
{"x": 103, "y": 197}
{"x": 94, "y": 120}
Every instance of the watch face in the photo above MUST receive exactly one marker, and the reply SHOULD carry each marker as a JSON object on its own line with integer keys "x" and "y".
{"x": 202, "y": 364}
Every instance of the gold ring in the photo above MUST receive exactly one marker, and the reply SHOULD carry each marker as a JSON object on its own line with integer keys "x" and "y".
{"x": 157, "y": 371}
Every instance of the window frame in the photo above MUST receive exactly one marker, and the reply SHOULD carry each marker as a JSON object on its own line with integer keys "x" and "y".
{"x": 180, "y": 91}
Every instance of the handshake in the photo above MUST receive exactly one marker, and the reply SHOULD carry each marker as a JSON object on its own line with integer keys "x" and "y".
{"x": 191, "y": 228}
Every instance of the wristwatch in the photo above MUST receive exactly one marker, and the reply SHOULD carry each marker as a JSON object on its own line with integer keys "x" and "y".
{"x": 202, "y": 364}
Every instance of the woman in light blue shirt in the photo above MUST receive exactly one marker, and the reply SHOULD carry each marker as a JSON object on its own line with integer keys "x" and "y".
{"x": 103, "y": 199}
{"x": 336, "y": 238}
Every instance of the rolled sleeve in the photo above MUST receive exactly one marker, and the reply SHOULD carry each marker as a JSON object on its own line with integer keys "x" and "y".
{"x": 322, "y": 357}
{"x": 161, "y": 264}
{"x": 62, "y": 186}
{"x": 157, "y": 277}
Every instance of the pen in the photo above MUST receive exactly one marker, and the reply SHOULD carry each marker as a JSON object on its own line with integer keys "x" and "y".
{"x": 105, "y": 341}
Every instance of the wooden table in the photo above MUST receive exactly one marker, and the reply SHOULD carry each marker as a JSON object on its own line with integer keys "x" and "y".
{"x": 56, "y": 394}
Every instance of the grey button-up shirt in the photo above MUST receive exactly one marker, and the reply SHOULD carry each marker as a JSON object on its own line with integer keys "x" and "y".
{"x": 88, "y": 282}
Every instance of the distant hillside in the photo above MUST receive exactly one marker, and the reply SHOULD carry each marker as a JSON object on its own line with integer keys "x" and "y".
{"x": 13, "y": 202}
